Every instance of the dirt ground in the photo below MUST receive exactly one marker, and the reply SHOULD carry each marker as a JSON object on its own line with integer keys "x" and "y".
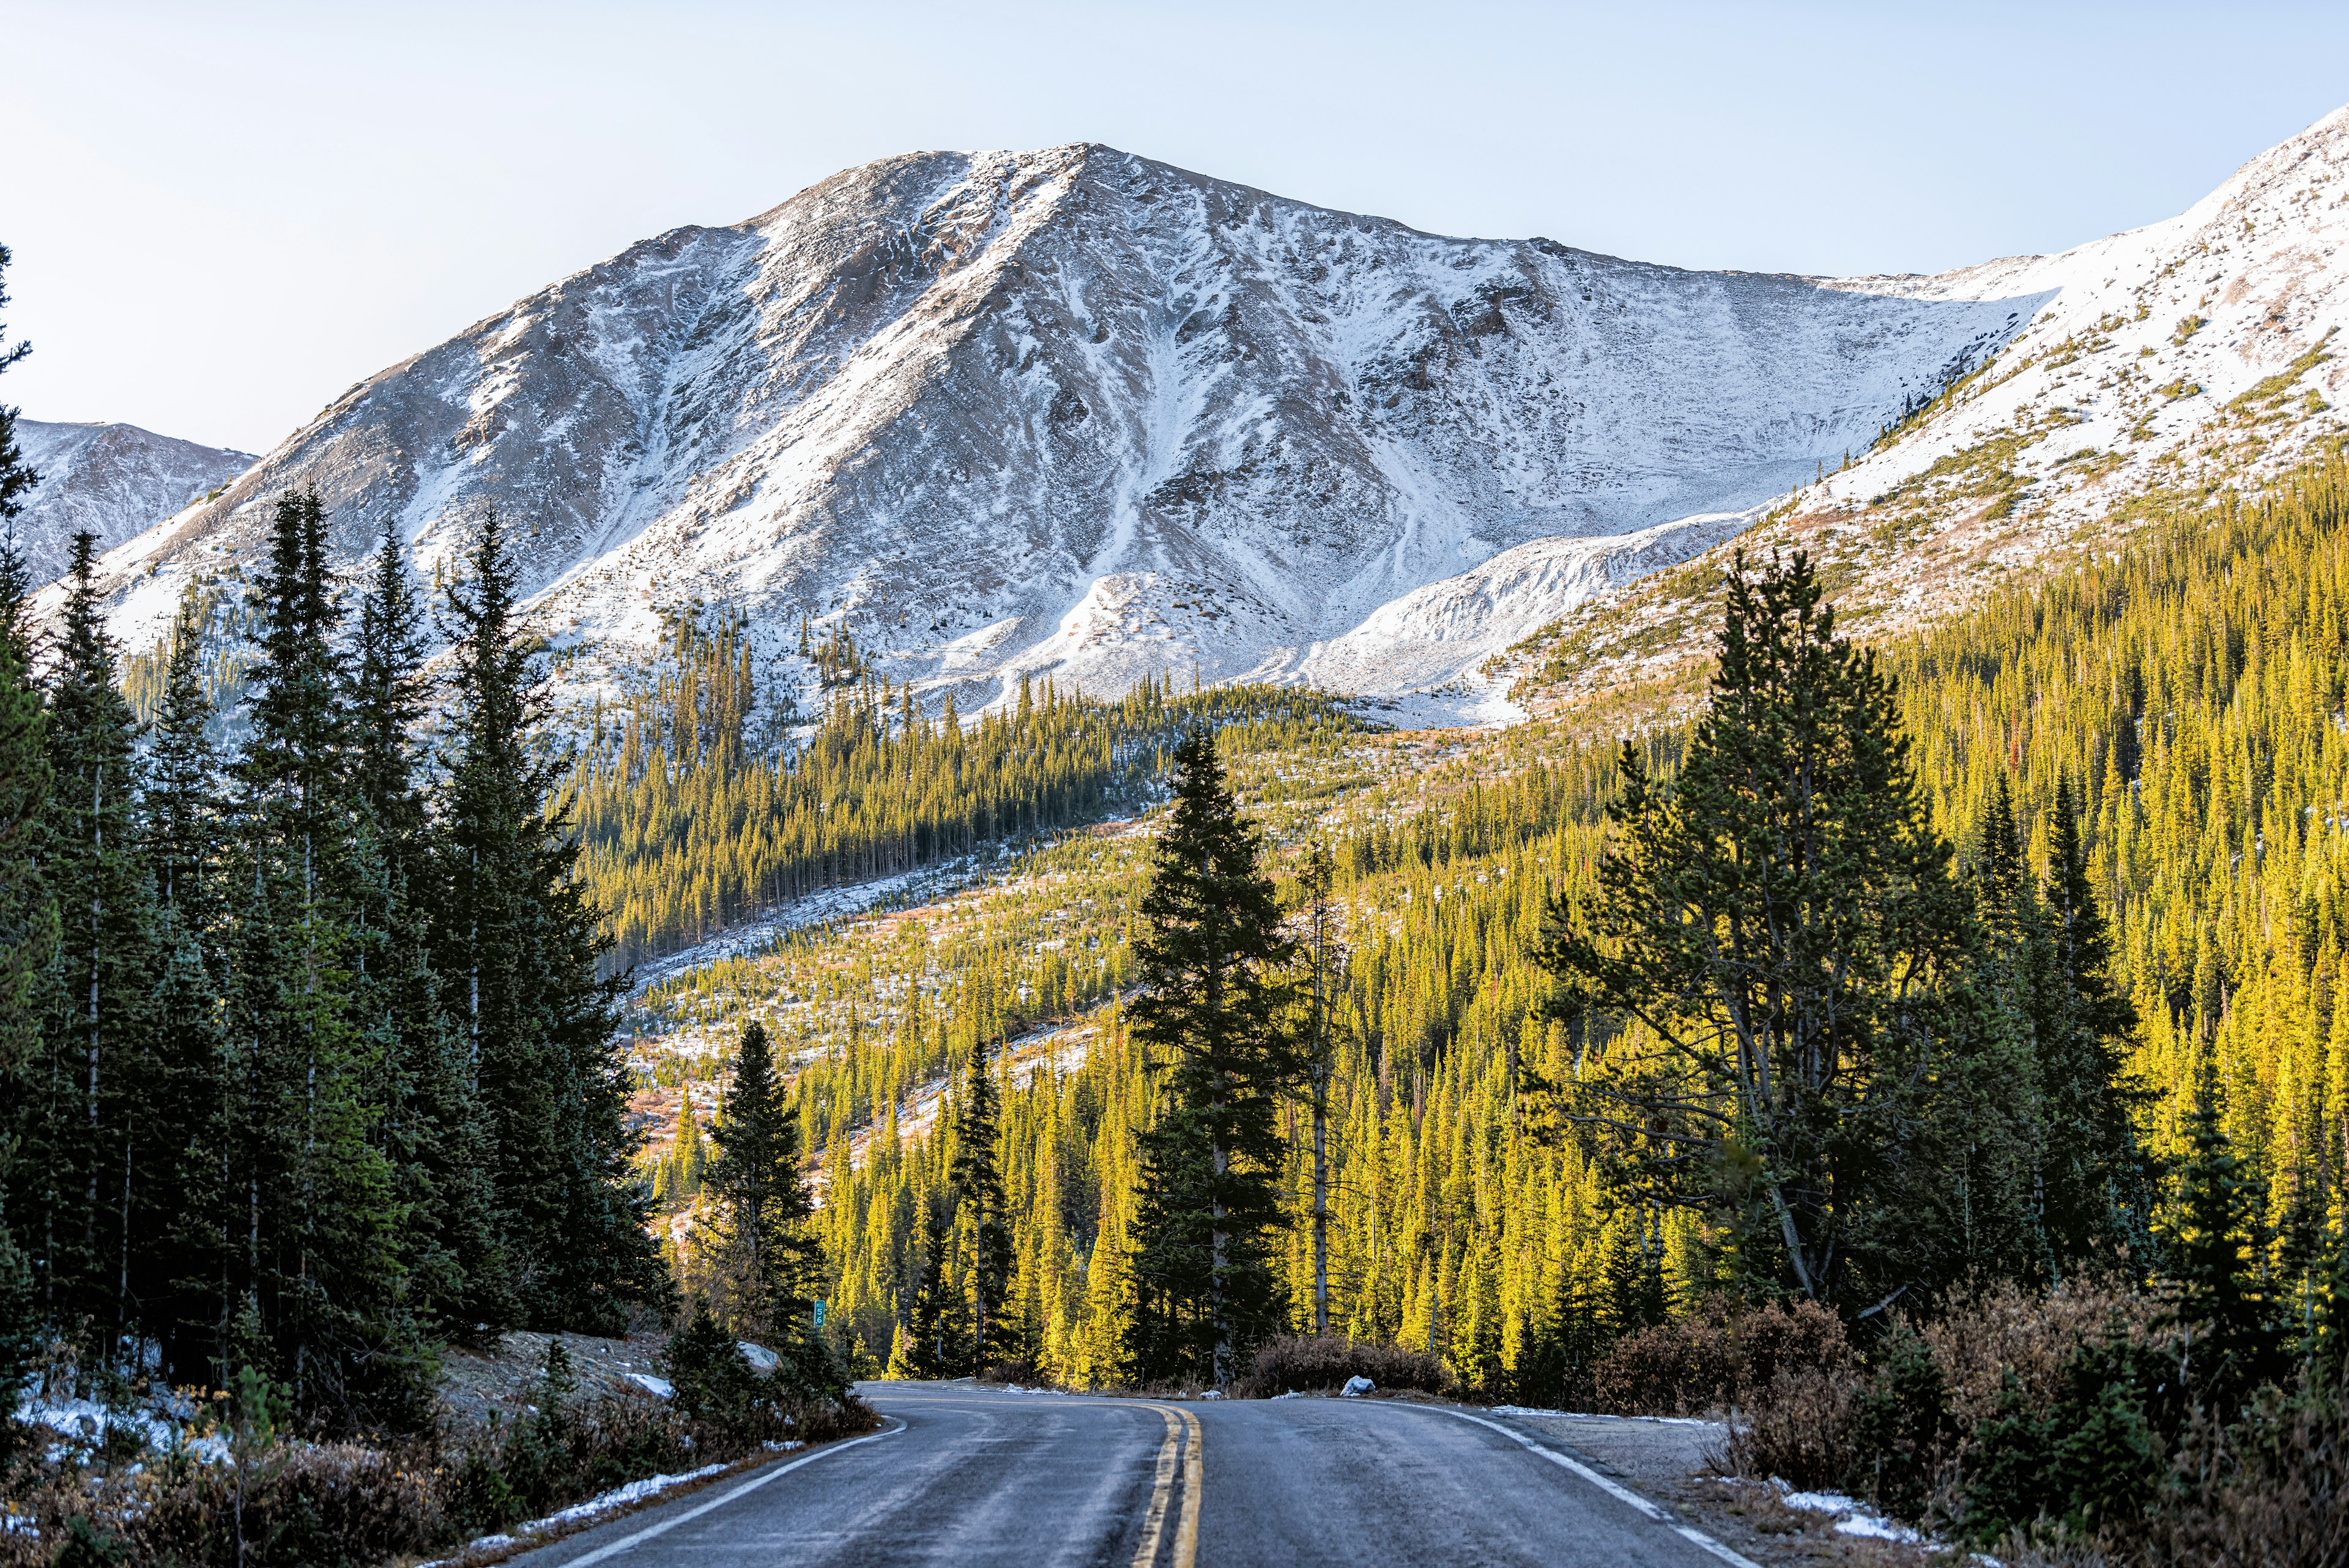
{"x": 499, "y": 1377}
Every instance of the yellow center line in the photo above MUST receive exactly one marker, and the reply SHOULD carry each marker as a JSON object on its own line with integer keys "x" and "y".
{"x": 1146, "y": 1554}
{"x": 1187, "y": 1523}
{"x": 1187, "y": 1534}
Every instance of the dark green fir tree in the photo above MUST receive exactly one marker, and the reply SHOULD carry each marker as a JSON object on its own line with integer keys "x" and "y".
{"x": 515, "y": 944}
{"x": 1208, "y": 961}
{"x": 977, "y": 1176}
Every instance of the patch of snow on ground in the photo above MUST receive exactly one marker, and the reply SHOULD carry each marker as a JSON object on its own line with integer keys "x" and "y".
{"x": 1854, "y": 1518}
{"x": 919, "y": 885}
{"x": 618, "y": 1497}
{"x": 1579, "y": 1415}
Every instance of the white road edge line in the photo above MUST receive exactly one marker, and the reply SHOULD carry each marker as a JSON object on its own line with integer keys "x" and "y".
{"x": 1615, "y": 1489}
{"x": 754, "y": 1484}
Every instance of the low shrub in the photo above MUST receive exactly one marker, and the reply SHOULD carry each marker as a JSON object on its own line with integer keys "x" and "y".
{"x": 1717, "y": 1358}
{"x": 1309, "y": 1364}
{"x": 1799, "y": 1428}
{"x": 308, "y": 1505}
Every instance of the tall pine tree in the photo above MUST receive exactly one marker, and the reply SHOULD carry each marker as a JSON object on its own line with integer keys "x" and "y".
{"x": 977, "y": 1179}
{"x": 515, "y": 941}
{"x": 431, "y": 1130}
{"x": 109, "y": 1137}
{"x": 309, "y": 1212}
{"x": 27, "y": 912}
{"x": 181, "y": 819}
{"x": 767, "y": 1261}
{"x": 1761, "y": 969}
{"x": 1207, "y": 962}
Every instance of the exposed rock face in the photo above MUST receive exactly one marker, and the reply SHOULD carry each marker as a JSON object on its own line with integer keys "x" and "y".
{"x": 113, "y": 481}
{"x": 1079, "y": 413}
{"x": 2203, "y": 352}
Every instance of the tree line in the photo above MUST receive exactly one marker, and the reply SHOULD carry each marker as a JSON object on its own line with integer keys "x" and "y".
{"x": 696, "y": 809}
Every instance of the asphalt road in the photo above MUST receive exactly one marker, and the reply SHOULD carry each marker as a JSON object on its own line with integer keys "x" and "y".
{"x": 980, "y": 1478}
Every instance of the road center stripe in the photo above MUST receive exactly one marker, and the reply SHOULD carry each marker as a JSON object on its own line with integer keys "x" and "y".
{"x": 1188, "y": 1438}
{"x": 1186, "y": 1538}
{"x": 754, "y": 1484}
{"x": 1145, "y": 1555}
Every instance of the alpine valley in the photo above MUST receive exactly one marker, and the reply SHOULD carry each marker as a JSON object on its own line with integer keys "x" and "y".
{"x": 1128, "y": 784}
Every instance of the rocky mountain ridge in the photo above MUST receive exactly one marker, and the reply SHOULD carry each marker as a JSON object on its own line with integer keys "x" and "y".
{"x": 1075, "y": 413}
{"x": 113, "y": 480}
{"x": 2204, "y": 350}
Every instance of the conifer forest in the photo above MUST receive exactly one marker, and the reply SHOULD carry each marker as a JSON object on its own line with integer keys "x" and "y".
{"x": 1935, "y": 1048}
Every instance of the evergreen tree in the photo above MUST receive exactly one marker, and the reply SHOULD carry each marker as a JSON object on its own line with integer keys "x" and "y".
{"x": 766, "y": 1254}
{"x": 2215, "y": 1251}
{"x": 179, "y": 824}
{"x": 1981, "y": 1150}
{"x": 27, "y": 910}
{"x": 431, "y": 1132}
{"x": 1763, "y": 957}
{"x": 310, "y": 1213}
{"x": 2097, "y": 1189}
{"x": 979, "y": 1189}
{"x": 514, "y": 942}
{"x": 1319, "y": 1057}
{"x": 936, "y": 1325}
{"x": 1207, "y": 961}
{"x": 106, "y": 1137}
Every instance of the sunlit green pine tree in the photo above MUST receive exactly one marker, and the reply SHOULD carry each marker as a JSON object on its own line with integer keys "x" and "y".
{"x": 1207, "y": 961}
{"x": 978, "y": 1182}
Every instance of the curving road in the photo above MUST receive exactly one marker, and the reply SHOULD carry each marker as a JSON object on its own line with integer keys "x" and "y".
{"x": 975, "y": 1478}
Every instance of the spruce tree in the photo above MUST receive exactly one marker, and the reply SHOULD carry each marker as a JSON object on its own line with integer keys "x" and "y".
{"x": 1319, "y": 1057}
{"x": 431, "y": 1130}
{"x": 2098, "y": 1187}
{"x": 181, "y": 820}
{"x": 27, "y": 910}
{"x": 977, "y": 1181}
{"x": 1207, "y": 961}
{"x": 761, "y": 1240}
{"x": 1981, "y": 1154}
{"x": 2215, "y": 1252}
{"x": 310, "y": 1211}
{"x": 1760, "y": 965}
{"x": 108, "y": 1135}
{"x": 936, "y": 1326}
{"x": 515, "y": 944}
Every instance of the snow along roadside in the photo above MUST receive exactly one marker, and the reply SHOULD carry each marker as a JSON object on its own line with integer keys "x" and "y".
{"x": 636, "y": 1495}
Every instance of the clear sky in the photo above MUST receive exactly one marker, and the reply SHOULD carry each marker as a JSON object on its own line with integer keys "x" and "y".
{"x": 224, "y": 214}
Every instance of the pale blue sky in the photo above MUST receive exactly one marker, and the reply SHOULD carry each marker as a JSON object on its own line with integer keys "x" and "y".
{"x": 224, "y": 214}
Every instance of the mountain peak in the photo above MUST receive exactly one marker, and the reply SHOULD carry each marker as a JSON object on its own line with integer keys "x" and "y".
{"x": 1074, "y": 412}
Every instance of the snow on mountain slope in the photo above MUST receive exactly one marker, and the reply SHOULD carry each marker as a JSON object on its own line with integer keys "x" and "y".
{"x": 2204, "y": 350}
{"x": 113, "y": 481}
{"x": 1075, "y": 412}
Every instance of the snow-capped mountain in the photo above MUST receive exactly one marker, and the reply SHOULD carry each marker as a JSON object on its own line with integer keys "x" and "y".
{"x": 113, "y": 481}
{"x": 2204, "y": 350}
{"x": 1075, "y": 412}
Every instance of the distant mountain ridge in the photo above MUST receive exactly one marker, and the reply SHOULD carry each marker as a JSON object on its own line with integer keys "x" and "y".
{"x": 115, "y": 481}
{"x": 2201, "y": 352}
{"x": 1076, "y": 414}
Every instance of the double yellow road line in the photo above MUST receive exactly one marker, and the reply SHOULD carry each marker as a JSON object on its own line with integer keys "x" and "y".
{"x": 1178, "y": 1454}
